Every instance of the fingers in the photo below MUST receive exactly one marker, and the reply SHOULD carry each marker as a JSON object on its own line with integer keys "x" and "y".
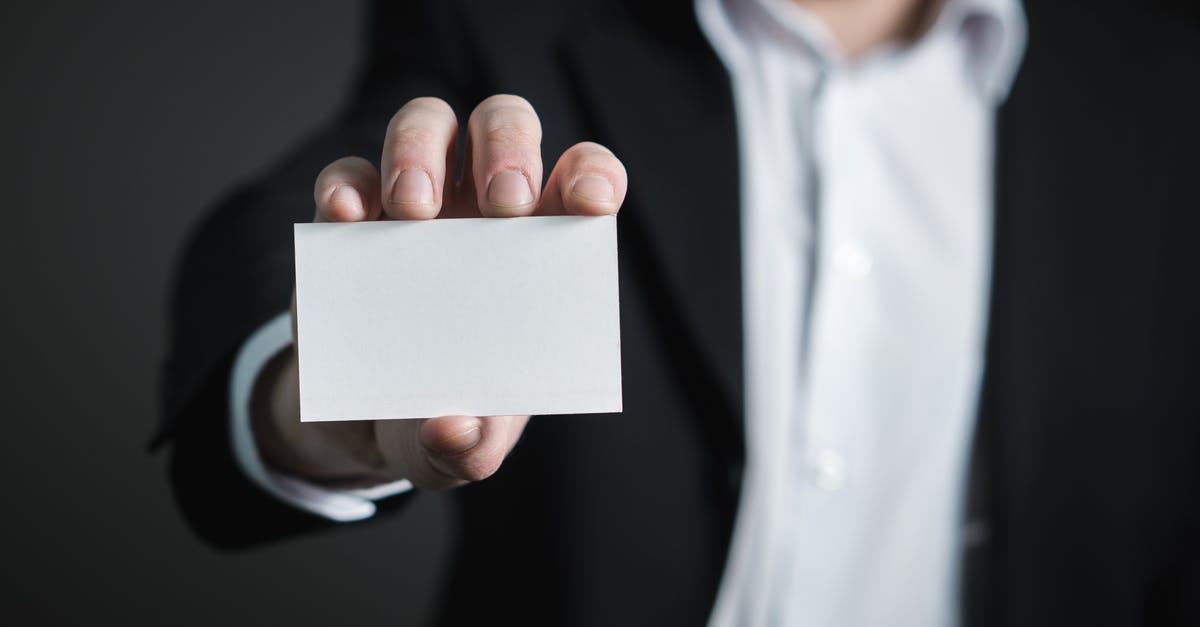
{"x": 504, "y": 156}
{"x": 503, "y": 167}
{"x": 447, "y": 452}
{"x": 347, "y": 190}
{"x": 587, "y": 180}
{"x": 417, "y": 153}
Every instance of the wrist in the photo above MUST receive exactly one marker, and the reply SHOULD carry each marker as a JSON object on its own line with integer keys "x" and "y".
{"x": 272, "y": 406}
{"x": 334, "y": 454}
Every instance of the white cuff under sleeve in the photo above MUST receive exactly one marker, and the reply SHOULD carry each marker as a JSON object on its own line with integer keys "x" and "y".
{"x": 337, "y": 505}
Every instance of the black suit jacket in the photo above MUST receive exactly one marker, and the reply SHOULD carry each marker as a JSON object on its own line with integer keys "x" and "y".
{"x": 1085, "y": 479}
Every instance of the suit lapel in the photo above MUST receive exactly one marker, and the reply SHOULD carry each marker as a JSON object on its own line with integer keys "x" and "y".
{"x": 650, "y": 90}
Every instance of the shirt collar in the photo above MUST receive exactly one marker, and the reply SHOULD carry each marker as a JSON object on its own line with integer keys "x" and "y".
{"x": 994, "y": 32}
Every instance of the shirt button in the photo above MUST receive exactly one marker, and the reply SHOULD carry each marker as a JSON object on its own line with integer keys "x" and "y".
{"x": 828, "y": 471}
{"x": 851, "y": 259}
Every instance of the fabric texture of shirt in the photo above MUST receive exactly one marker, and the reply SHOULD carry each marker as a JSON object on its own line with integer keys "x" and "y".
{"x": 866, "y": 207}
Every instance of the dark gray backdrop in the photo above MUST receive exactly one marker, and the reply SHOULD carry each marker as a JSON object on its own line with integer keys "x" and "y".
{"x": 121, "y": 122}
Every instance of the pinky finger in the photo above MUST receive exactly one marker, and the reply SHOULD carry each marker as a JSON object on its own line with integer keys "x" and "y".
{"x": 587, "y": 180}
{"x": 347, "y": 190}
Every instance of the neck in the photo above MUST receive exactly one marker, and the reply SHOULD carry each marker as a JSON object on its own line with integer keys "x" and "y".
{"x": 859, "y": 26}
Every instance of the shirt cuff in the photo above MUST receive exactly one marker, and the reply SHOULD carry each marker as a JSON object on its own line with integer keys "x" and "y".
{"x": 336, "y": 505}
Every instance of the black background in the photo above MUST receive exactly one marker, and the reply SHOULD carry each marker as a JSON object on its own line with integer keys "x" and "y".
{"x": 121, "y": 123}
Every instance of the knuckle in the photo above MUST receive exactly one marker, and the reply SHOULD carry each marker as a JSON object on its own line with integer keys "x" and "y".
{"x": 512, "y": 134}
{"x": 508, "y": 119}
{"x": 421, "y": 120}
{"x": 411, "y": 136}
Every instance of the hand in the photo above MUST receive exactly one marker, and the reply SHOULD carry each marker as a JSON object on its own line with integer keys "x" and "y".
{"x": 502, "y": 178}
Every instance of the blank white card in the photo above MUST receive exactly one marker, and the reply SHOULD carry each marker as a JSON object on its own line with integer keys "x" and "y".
{"x": 476, "y": 316}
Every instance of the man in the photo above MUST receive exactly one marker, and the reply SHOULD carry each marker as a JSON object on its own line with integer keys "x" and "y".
{"x": 895, "y": 325}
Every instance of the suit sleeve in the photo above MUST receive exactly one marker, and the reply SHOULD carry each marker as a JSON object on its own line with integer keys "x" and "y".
{"x": 236, "y": 272}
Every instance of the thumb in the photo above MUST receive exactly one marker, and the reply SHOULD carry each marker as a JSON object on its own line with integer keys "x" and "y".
{"x": 446, "y": 452}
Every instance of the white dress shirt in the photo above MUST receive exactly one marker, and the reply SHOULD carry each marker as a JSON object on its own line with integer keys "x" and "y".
{"x": 866, "y": 207}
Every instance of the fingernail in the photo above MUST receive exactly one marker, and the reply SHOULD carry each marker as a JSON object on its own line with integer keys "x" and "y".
{"x": 413, "y": 187}
{"x": 509, "y": 188}
{"x": 594, "y": 188}
{"x": 345, "y": 197}
{"x": 462, "y": 441}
